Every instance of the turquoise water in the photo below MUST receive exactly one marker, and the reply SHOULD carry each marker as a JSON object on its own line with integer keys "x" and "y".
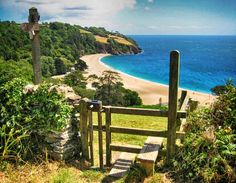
{"x": 206, "y": 61}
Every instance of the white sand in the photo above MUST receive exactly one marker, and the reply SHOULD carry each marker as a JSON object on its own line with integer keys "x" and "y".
{"x": 150, "y": 92}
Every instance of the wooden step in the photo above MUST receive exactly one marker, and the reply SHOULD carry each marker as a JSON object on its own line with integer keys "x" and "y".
{"x": 122, "y": 164}
{"x": 148, "y": 155}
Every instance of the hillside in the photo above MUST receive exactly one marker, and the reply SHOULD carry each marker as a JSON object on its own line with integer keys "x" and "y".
{"x": 61, "y": 44}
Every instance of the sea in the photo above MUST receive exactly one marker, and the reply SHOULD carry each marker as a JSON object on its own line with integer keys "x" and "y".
{"x": 205, "y": 61}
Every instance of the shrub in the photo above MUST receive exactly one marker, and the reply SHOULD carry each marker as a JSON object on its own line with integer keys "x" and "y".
{"x": 23, "y": 113}
{"x": 209, "y": 149}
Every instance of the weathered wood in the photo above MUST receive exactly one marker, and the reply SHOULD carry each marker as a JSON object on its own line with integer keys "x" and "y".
{"x": 122, "y": 164}
{"x": 148, "y": 155}
{"x": 180, "y": 134}
{"x": 143, "y": 112}
{"x": 95, "y": 128}
{"x": 83, "y": 126}
{"x": 90, "y": 117}
{"x": 100, "y": 142}
{"x": 172, "y": 103}
{"x": 108, "y": 136}
{"x": 182, "y": 100}
{"x": 126, "y": 148}
{"x": 137, "y": 111}
{"x": 33, "y": 22}
{"x": 138, "y": 131}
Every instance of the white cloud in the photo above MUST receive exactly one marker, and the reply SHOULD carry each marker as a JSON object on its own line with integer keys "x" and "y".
{"x": 150, "y": 1}
{"x": 82, "y": 12}
{"x": 146, "y": 8}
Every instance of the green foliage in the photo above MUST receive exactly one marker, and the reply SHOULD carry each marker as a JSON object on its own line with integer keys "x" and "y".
{"x": 62, "y": 65}
{"x": 100, "y": 31}
{"x": 137, "y": 173}
{"x": 110, "y": 91}
{"x": 77, "y": 81}
{"x": 131, "y": 98}
{"x": 158, "y": 106}
{"x": 61, "y": 46}
{"x": 81, "y": 65}
{"x": 209, "y": 150}
{"x": 84, "y": 93}
{"x": 10, "y": 70}
{"x": 75, "y": 78}
{"x": 221, "y": 89}
{"x": 23, "y": 113}
{"x": 48, "y": 66}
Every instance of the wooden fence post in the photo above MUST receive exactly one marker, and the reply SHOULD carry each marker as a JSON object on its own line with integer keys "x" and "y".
{"x": 108, "y": 136}
{"x": 173, "y": 102}
{"x": 90, "y": 117}
{"x": 84, "y": 128}
{"x": 34, "y": 36}
{"x": 100, "y": 142}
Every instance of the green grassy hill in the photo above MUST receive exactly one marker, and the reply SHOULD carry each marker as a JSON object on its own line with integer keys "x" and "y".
{"x": 60, "y": 43}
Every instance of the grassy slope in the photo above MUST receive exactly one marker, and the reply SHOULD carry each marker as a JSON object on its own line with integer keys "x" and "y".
{"x": 55, "y": 172}
{"x": 104, "y": 39}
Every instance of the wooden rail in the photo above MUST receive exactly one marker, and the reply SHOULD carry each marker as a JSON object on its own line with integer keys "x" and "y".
{"x": 146, "y": 132}
{"x": 143, "y": 112}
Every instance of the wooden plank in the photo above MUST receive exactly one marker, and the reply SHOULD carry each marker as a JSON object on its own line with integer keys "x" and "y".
{"x": 172, "y": 102}
{"x": 100, "y": 142}
{"x": 108, "y": 136}
{"x": 90, "y": 117}
{"x": 183, "y": 100}
{"x": 137, "y": 111}
{"x": 138, "y": 131}
{"x": 126, "y": 148}
{"x": 122, "y": 164}
{"x": 150, "y": 149}
{"x": 84, "y": 128}
{"x": 148, "y": 155}
{"x": 143, "y": 112}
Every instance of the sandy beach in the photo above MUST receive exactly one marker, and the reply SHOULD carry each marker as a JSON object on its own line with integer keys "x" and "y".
{"x": 150, "y": 92}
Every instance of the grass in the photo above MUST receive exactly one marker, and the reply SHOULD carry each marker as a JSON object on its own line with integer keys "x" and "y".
{"x": 54, "y": 172}
{"x": 82, "y": 31}
{"x": 120, "y": 40}
{"x": 116, "y": 38}
{"x": 101, "y": 39}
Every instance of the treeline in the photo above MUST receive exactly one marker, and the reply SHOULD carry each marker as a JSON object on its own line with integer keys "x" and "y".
{"x": 62, "y": 45}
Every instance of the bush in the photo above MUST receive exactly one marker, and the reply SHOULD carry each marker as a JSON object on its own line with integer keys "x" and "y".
{"x": 24, "y": 113}
{"x": 209, "y": 149}
{"x": 48, "y": 66}
{"x": 10, "y": 70}
{"x": 81, "y": 65}
{"x": 62, "y": 65}
{"x": 75, "y": 79}
{"x": 110, "y": 91}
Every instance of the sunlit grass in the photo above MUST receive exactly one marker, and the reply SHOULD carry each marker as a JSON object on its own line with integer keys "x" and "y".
{"x": 82, "y": 31}
{"x": 101, "y": 39}
{"x": 55, "y": 172}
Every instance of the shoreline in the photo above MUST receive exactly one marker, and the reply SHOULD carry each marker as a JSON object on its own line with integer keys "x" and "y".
{"x": 149, "y": 91}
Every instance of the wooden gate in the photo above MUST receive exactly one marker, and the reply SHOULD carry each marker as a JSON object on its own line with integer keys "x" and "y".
{"x": 87, "y": 127}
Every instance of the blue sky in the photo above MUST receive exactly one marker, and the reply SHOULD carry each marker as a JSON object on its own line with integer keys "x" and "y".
{"x": 170, "y": 17}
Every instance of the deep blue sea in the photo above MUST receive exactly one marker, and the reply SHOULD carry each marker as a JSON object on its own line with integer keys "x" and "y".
{"x": 206, "y": 61}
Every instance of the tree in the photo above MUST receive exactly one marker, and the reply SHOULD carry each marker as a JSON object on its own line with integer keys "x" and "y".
{"x": 48, "y": 66}
{"x": 81, "y": 65}
{"x": 110, "y": 91}
{"x": 62, "y": 65}
{"x": 221, "y": 89}
{"x": 131, "y": 98}
{"x": 75, "y": 79}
